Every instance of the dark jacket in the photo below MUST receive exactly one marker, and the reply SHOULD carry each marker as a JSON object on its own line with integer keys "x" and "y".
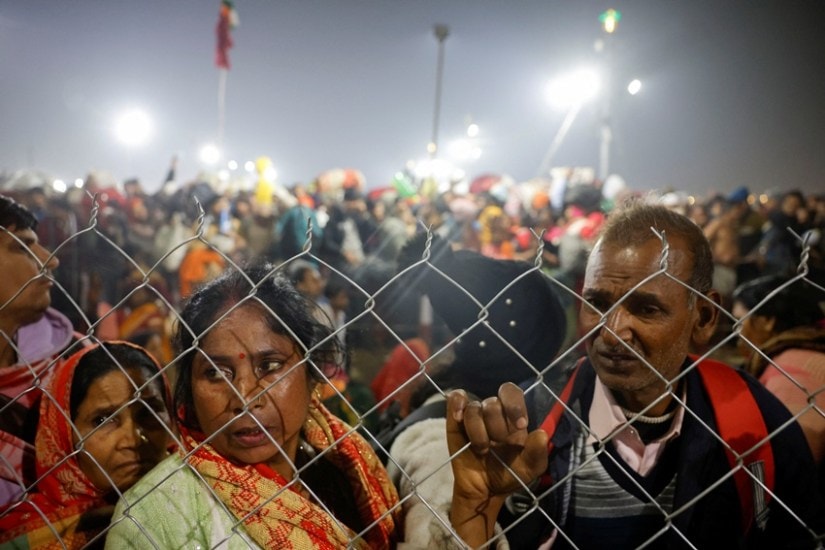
{"x": 714, "y": 520}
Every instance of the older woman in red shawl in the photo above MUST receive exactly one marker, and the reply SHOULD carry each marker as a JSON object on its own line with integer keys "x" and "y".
{"x": 104, "y": 423}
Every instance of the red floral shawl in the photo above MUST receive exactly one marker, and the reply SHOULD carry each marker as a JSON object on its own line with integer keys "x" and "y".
{"x": 278, "y": 515}
{"x": 64, "y": 495}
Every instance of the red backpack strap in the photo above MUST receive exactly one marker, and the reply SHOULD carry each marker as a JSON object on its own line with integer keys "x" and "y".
{"x": 742, "y": 427}
{"x": 551, "y": 421}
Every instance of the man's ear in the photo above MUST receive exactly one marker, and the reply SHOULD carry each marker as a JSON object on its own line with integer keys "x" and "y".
{"x": 707, "y": 315}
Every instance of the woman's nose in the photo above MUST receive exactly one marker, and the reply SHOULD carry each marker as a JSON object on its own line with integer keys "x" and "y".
{"x": 251, "y": 392}
{"x": 134, "y": 432}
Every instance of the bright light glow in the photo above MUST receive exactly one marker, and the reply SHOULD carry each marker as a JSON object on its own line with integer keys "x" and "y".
{"x": 472, "y": 130}
{"x": 270, "y": 173}
{"x": 573, "y": 89}
{"x": 249, "y": 166}
{"x": 437, "y": 169}
{"x": 59, "y": 186}
{"x": 634, "y": 87}
{"x": 133, "y": 128}
{"x": 78, "y": 183}
{"x": 610, "y": 19}
{"x": 609, "y": 26}
{"x": 431, "y": 148}
{"x": 210, "y": 154}
{"x": 223, "y": 175}
{"x": 232, "y": 165}
{"x": 459, "y": 149}
{"x": 463, "y": 150}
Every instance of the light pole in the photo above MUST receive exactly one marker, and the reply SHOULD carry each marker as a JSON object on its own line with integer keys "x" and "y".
{"x": 610, "y": 20}
{"x": 441, "y": 33}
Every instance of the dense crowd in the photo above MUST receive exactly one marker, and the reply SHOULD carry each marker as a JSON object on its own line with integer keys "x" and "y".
{"x": 427, "y": 291}
{"x": 147, "y": 239}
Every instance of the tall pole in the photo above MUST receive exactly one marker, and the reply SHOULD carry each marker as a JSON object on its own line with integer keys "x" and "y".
{"x": 223, "y": 74}
{"x": 441, "y": 32}
{"x": 610, "y": 20}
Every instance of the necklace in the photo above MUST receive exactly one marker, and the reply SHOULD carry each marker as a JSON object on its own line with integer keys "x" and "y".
{"x": 647, "y": 419}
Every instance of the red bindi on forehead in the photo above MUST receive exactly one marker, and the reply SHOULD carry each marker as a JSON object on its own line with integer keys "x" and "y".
{"x": 241, "y": 355}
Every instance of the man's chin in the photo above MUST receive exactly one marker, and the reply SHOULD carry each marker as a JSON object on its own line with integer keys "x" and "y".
{"x": 34, "y": 315}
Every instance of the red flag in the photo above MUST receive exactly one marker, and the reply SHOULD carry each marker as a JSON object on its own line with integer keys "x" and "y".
{"x": 227, "y": 20}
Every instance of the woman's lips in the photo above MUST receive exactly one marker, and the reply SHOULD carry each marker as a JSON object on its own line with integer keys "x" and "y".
{"x": 132, "y": 467}
{"x": 252, "y": 436}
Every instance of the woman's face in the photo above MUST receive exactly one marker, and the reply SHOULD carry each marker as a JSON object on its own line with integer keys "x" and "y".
{"x": 243, "y": 363}
{"x": 121, "y": 444}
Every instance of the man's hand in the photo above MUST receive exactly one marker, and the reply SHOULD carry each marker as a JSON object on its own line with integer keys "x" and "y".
{"x": 500, "y": 446}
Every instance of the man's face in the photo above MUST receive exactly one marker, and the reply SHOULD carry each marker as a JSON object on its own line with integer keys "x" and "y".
{"x": 648, "y": 331}
{"x": 21, "y": 261}
{"x": 312, "y": 285}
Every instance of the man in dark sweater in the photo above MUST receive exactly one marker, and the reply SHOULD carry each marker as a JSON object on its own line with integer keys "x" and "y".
{"x": 651, "y": 445}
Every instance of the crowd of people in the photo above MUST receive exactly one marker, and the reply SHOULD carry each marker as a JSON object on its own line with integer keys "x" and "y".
{"x": 197, "y": 366}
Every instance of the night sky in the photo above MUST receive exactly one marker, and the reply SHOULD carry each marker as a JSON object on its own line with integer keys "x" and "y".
{"x": 733, "y": 91}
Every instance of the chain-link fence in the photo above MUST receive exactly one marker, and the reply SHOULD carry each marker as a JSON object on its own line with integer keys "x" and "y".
{"x": 387, "y": 314}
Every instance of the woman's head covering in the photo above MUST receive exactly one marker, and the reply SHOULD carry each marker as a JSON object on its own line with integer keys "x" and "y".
{"x": 63, "y": 492}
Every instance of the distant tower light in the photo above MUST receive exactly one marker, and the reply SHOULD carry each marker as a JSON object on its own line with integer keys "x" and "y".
{"x": 610, "y": 20}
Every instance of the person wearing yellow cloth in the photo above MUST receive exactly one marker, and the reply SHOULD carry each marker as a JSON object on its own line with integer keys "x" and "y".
{"x": 262, "y": 462}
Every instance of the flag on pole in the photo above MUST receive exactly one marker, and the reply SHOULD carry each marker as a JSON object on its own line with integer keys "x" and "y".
{"x": 227, "y": 20}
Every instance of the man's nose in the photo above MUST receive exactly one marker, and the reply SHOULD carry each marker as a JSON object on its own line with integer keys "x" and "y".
{"x": 616, "y": 327}
{"x": 46, "y": 259}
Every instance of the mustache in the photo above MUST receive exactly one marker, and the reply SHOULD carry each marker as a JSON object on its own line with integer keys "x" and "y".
{"x": 622, "y": 350}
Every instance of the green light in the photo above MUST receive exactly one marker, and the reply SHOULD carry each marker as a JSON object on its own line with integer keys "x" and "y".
{"x": 610, "y": 19}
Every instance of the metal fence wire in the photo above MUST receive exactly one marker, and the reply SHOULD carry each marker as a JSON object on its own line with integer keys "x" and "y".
{"x": 385, "y": 312}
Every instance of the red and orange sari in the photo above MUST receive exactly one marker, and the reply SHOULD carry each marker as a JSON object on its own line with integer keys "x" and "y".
{"x": 276, "y": 514}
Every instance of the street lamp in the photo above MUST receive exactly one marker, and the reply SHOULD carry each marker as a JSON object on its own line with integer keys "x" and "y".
{"x": 610, "y": 20}
{"x": 210, "y": 154}
{"x": 133, "y": 127}
{"x": 441, "y": 32}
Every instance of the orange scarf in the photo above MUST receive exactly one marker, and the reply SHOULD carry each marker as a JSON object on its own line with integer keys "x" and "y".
{"x": 276, "y": 515}
{"x": 64, "y": 495}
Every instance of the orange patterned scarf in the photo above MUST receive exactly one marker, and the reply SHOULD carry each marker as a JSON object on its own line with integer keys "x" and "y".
{"x": 65, "y": 510}
{"x": 278, "y": 515}
{"x": 64, "y": 493}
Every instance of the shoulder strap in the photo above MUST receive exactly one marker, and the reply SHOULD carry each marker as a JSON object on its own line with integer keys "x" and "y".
{"x": 551, "y": 421}
{"x": 743, "y": 429}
